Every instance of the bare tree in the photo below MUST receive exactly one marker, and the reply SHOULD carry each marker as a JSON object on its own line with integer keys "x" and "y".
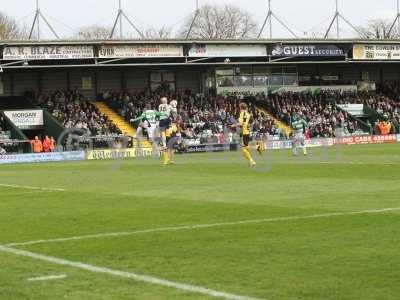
{"x": 379, "y": 29}
{"x": 93, "y": 32}
{"x": 158, "y": 33}
{"x": 10, "y": 30}
{"x": 220, "y": 22}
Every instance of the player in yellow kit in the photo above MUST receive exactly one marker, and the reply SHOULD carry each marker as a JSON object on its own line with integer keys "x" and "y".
{"x": 244, "y": 123}
{"x": 173, "y": 135}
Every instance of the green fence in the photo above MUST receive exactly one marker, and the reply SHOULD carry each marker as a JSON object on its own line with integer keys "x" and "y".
{"x": 52, "y": 125}
{"x": 364, "y": 126}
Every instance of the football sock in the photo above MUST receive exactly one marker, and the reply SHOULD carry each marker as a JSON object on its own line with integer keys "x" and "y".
{"x": 304, "y": 150}
{"x": 247, "y": 155}
{"x": 165, "y": 157}
{"x": 295, "y": 151}
{"x": 171, "y": 156}
{"x": 260, "y": 148}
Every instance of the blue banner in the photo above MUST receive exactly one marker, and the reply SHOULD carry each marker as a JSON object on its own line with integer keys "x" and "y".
{"x": 42, "y": 157}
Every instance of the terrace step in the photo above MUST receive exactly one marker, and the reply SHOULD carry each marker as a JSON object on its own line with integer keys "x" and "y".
{"x": 124, "y": 126}
{"x": 281, "y": 125}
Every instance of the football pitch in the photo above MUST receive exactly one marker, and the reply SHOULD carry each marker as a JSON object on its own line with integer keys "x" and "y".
{"x": 325, "y": 226}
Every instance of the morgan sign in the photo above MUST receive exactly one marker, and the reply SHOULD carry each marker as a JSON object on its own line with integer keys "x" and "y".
{"x": 26, "y": 119}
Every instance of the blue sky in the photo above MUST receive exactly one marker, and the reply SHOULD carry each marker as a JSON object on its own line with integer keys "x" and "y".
{"x": 67, "y": 16}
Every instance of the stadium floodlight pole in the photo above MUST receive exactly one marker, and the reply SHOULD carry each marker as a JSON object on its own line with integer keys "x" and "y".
{"x": 336, "y": 18}
{"x": 118, "y": 18}
{"x": 268, "y": 19}
{"x": 121, "y": 14}
{"x": 36, "y": 23}
{"x": 196, "y": 14}
{"x": 38, "y": 19}
{"x": 396, "y": 20}
{"x": 120, "y": 22}
{"x": 33, "y": 25}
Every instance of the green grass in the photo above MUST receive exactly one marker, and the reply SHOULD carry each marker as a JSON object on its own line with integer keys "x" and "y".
{"x": 341, "y": 257}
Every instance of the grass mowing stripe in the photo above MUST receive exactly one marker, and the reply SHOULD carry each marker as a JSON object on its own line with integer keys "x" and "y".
{"x": 45, "y": 278}
{"x": 129, "y": 275}
{"x": 24, "y": 187}
{"x": 200, "y": 226}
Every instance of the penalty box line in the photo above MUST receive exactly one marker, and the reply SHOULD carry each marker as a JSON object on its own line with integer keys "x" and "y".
{"x": 201, "y": 226}
{"x": 127, "y": 275}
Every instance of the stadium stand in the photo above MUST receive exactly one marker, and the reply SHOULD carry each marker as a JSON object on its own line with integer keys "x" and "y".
{"x": 324, "y": 118}
{"x": 14, "y": 102}
{"x": 203, "y": 119}
{"x": 207, "y": 119}
{"x": 73, "y": 110}
{"x": 4, "y": 133}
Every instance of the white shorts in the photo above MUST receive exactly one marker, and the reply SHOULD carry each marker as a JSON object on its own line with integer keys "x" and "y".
{"x": 152, "y": 131}
{"x": 299, "y": 139}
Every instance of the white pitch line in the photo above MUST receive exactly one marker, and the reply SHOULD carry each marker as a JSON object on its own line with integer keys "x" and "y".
{"x": 46, "y": 278}
{"x": 201, "y": 226}
{"x": 25, "y": 187}
{"x": 314, "y": 162}
{"x": 128, "y": 275}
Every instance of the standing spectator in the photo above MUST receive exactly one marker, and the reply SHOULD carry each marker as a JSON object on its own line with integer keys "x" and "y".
{"x": 385, "y": 127}
{"x": 46, "y": 144}
{"x": 37, "y": 145}
{"x": 52, "y": 144}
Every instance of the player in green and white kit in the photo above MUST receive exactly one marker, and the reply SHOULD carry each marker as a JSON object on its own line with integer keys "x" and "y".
{"x": 299, "y": 126}
{"x": 148, "y": 121}
{"x": 165, "y": 120}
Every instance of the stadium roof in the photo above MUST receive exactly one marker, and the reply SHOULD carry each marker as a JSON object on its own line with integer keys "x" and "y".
{"x": 199, "y": 41}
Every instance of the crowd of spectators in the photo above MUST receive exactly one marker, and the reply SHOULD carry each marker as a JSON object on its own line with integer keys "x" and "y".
{"x": 204, "y": 119}
{"x": 208, "y": 119}
{"x": 4, "y": 135}
{"x": 73, "y": 110}
{"x": 324, "y": 118}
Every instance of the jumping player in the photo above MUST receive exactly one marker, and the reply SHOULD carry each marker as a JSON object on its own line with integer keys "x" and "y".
{"x": 165, "y": 119}
{"x": 244, "y": 121}
{"x": 299, "y": 126}
{"x": 148, "y": 122}
{"x": 174, "y": 109}
{"x": 165, "y": 122}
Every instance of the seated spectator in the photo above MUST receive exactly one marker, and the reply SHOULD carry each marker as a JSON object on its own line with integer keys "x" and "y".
{"x": 74, "y": 111}
{"x": 324, "y": 118}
